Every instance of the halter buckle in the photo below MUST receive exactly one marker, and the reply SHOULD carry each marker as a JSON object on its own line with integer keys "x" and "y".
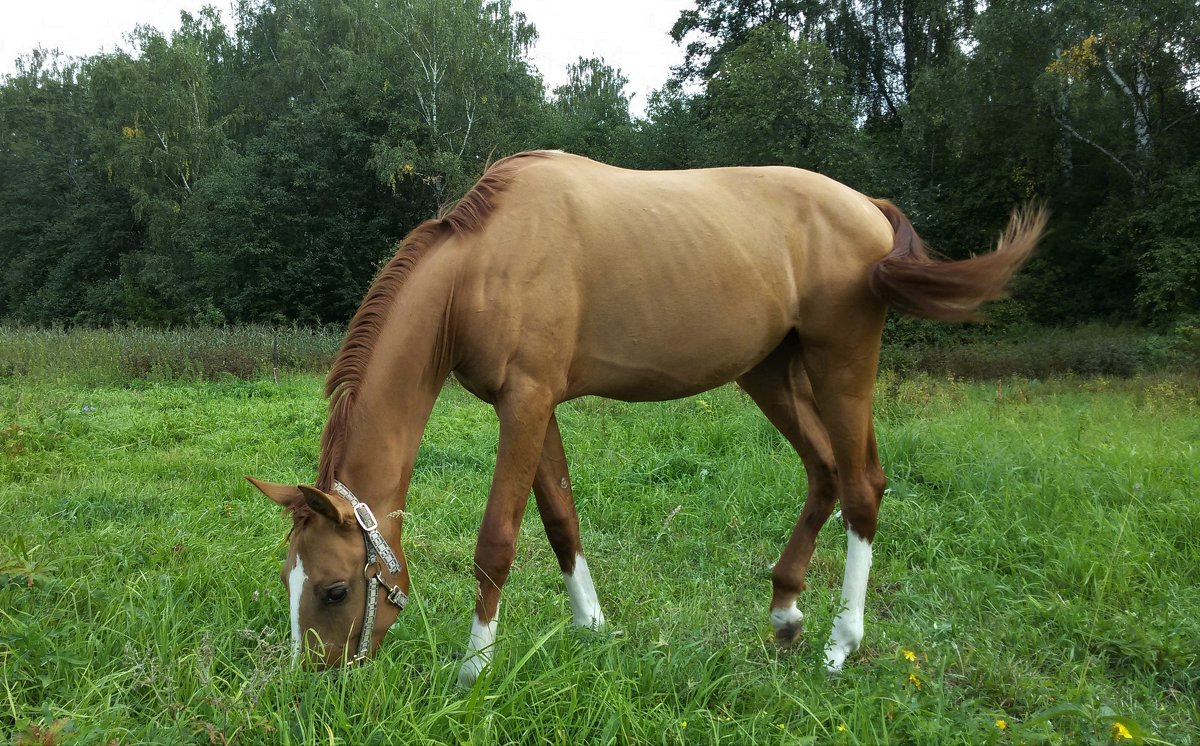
{"x": 392, "y": 593}
{"x": 397, "y": 597}
{"x": 365, "y": 518}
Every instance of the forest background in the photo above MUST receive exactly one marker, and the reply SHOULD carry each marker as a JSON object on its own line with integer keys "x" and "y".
{"x": 262, "y": 170}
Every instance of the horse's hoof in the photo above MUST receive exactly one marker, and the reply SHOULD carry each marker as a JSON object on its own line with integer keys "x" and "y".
{"x": 470, "y": 671}
{"x": 787, "y": 634}
{"x": 787, "y": 623}
{"x": 837, "y": 650}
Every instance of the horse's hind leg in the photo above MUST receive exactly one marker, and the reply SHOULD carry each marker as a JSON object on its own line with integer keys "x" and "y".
{"x": 782, "y": 391}
{"x": 841, "y": 366}
{"x": 556, "y": 506}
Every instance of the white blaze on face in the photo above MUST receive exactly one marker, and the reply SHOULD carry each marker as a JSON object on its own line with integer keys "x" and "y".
{"x": 296, "y": 580}
{"x": 848, "y": 626}
{"x": 479, "y": 649}
{"x": 585, "y": 606}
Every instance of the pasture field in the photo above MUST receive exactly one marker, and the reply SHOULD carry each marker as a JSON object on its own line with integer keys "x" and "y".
{"x": 1036, "y": 577}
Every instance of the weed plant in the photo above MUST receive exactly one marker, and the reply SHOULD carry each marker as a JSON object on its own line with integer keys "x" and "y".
{"x": 1036, "y": 577}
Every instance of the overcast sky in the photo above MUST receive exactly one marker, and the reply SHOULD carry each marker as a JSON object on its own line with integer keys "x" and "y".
{"x": 629, "y": 34}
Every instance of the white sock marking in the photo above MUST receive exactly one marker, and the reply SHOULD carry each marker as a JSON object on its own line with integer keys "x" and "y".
{"x": 479, "y": 650}
{"x": 788, "y": 617}
{"x": 848, "y": 625}
{"x": 296, "y": 580}
{"x": 585, "y": 606}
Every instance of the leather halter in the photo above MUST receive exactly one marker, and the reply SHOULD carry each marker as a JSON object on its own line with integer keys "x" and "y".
{"x": 377, "y": 549}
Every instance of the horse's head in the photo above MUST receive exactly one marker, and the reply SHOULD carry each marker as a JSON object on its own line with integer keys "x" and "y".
{"x": 334, "y": 575}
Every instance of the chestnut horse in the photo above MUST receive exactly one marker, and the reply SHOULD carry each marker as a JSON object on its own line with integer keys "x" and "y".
{"x": 557, "y": 277}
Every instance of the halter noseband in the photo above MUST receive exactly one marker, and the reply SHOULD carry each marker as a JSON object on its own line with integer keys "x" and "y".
{"x": 377, "y": 549}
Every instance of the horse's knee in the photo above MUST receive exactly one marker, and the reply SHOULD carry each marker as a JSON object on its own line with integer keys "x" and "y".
{"x": 493, "y": 559}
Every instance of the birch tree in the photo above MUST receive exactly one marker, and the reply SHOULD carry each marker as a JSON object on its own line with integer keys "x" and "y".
{"x": 1126, "y": 76}
{"x": 454, "y": 62}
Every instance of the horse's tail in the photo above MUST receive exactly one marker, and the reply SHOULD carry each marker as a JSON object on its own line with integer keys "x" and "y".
{"x": 913, "y": 281}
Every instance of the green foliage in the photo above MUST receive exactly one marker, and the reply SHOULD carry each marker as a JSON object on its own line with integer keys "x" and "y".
{"x": 1169, "y": 233}
{"x": 261, "y": 169}
{"x": 1028, "y": 546}
{"x": 675, "y": 136}
{"x": 591, "y": 112}
{"x": 779, "y": 101}
{"x": 63, "y": 227}
{"x": 257, "y": 174}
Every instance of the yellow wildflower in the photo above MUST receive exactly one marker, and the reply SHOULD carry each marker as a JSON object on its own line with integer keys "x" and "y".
{"x": 1001, "y": 724}
{"x": 841, "y": 728}
{"x": 683, "y": 724}
{"x": 914, "y": 680}
{"x": 1121, "y": 732}
{"x": 909, "y": 655}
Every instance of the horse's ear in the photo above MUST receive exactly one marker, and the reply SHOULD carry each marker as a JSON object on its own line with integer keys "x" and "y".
{"x": 333, "y": 508}
{"x": 283, "y": 494}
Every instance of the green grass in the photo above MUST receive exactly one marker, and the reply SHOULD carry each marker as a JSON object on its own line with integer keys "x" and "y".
{"x": 1037, "y": 552}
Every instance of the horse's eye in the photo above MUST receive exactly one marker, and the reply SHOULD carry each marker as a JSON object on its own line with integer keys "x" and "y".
{"x": 335, "y": 594}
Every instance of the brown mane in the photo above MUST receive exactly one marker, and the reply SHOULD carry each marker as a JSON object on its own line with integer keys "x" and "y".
{"x": 341, "y": 386}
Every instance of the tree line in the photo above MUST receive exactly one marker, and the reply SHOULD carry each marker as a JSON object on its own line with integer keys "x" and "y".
{"x": 261, "y": 171}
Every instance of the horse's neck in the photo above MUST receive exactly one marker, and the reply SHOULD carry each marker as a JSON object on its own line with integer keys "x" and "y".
{"x": 400, "y": 384}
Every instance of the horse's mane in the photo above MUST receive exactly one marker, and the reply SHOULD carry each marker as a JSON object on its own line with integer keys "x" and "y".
{"x": 345, "y": 377}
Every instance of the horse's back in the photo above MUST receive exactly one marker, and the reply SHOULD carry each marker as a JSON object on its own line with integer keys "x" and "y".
{"x": 658, "y": 284}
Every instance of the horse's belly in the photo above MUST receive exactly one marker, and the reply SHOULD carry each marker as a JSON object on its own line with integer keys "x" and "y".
{"x": 649, "y": 383}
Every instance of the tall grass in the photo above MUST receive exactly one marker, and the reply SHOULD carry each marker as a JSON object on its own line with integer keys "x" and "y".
{"x": 113, "y": 356}
{"x": 1037, "y": 574}
{"x": 1032, "y": 352}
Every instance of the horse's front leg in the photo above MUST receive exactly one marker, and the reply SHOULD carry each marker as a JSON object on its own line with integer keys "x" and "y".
{"x": 524, "y": 410}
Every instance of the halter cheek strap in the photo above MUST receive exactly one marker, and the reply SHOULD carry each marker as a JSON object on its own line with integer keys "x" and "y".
{"x": 377, "y": 550}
